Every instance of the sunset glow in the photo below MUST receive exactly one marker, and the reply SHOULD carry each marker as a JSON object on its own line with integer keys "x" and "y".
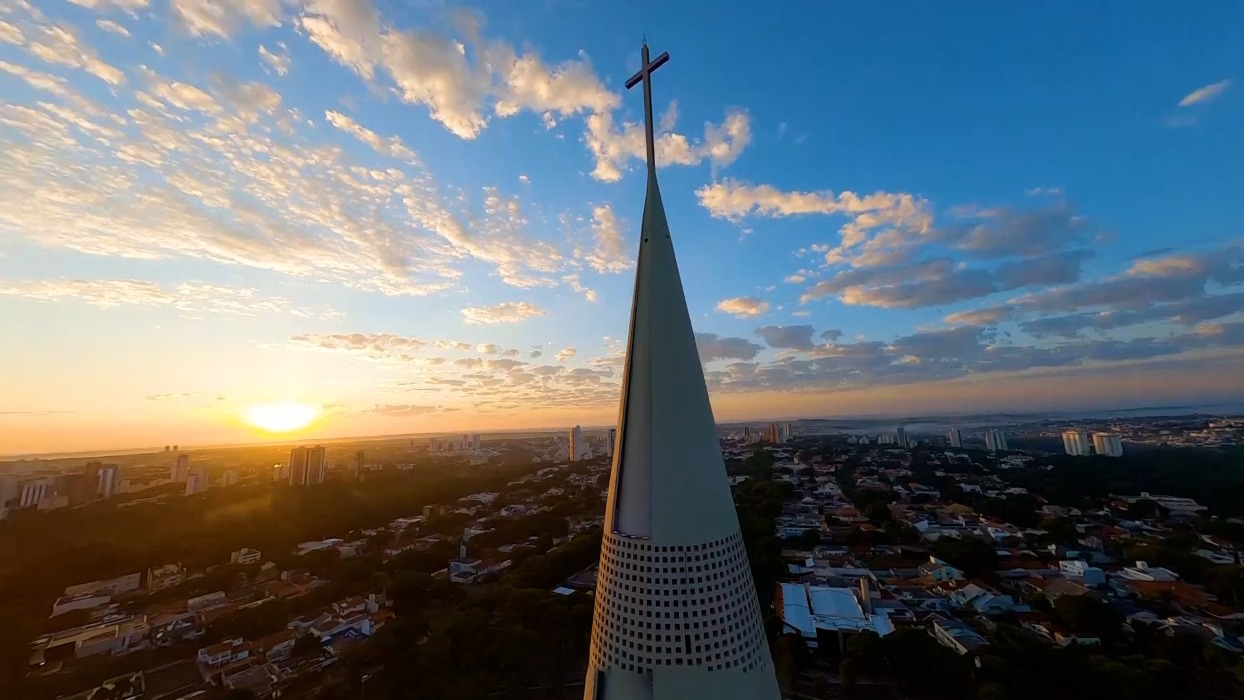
{"x": 281, "y": 417}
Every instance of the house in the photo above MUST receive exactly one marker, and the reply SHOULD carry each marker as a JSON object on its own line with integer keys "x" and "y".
{"x": 937, "y": 570}
{"x": 165, "y": 576}
{"x": 957, "y": 635}
{"x": 260, "y": 680}
{"x": 1080, "y": 570}
{"x": 222, "y": 654}
{"x": 278, "y": 645}
{"x": 246, "y": 556}
{"x": 1143, "y": 572}
{"x": 806, "y": 609}
{"x": 982, "y": 600}
{"x": 82, "y": 601}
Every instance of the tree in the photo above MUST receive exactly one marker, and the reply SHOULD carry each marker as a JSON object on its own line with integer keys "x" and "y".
{"x": 878, "y": 512}
{"x": 1086, "y": 615}
{"x": 306, "y": 645}
{"x": 848, "y": 674}
{"x": 809, "y": 539}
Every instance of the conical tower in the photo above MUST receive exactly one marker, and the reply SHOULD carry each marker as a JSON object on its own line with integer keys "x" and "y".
{"x": 676, "y": 614}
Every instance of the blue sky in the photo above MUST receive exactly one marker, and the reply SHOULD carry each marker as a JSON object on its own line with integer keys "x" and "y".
{"x": 409, "y": 213}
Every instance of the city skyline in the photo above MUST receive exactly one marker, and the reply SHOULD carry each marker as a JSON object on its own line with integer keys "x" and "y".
{"x": 426, "y": 223}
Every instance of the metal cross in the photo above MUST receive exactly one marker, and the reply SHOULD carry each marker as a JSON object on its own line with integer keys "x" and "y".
{"x": 645, "y": 75}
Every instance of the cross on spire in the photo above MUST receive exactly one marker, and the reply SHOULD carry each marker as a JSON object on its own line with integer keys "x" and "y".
{"x": 645, "y": 75}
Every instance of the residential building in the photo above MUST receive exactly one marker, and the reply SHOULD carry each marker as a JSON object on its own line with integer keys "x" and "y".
{"x": 107, "y": 481}
{"x": 1076, "y": 443}
{"x": 955, "y": 439}
{"x": 809, "y": 608}
{"x": 957, "y": 635}
{"x": 900, "y": 436}
{"x": 229, "y": 478}
{"x": 245, "y": 555}
{"x": 578, "y": 448}
{"x": 306, "y": 466}
{"x": 669, "y": 507}
{"x": 937, "y": 570}
{"x": 224, "y": 653}
{"x": 81, "y": 601}
{"x": 35, "y": 491}
{"x": 611, "y": 438}
{"x": 1081, "y": 571}
{"x": 995, "y": 441}
{"x": 360, "y": 459}
{"x": 196, "y": 481}
{"x": 181, "y": 469}
{"x": 113, "y": 586}
{"x": 1143, "y": 572}
{"x": 165, "y": 576}
{"x": 1107, "y": 445}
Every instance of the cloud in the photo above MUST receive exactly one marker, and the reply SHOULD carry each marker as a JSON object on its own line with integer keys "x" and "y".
{"x": 1147, "y": 283}
{"x": 402, "y": 410}
{"x": 942, "y": 281}
{"x": 506, "y": 312}
{"x": 713, "y": 347}
{"x": 105, "y": 5}
{"x": 488, "y": 348}
{"x": 743, "y": 307}
{"x": 615, "y": 148}
{"x": 187, "y": 296}
{"x": 391, "y": 146}
{"x": 461, "y": 80}
{"x": 112, "y": 27}
{"x": 279, "y": 61}
{"x": 535, "y": 353}
{"x": 380, "y": 346}
{"x": 608, "y": 254}
{"x": 61, "y": 45}
{"x": 1007, "y": 232}
{"x": 1206, "y": 93}
{"x": 792, "y": 337}
{"x": 220, "y": 18}
{"x": 565, "y": 354}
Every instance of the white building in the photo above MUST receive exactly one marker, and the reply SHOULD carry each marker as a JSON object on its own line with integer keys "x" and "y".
{"x": 196, "y": 481}
{"x": 229, "y": 478}
{"x": 245, "y": 555}
{"x": 1143, "y": 572}
{"x": 809, "y": 608}
{"x": 956, "y": 440}
{"x": 1076, "y": 443}
{"x": 671, "y": 534}
{"x": 306, "y": 466}
{"x": 180, "y": 470}
{"x": 1107, "y": 445}
{"x": 35, "y": 491}
{"x": 578, "y": 448}
{"x": 165, "y": 576}
{"x": 109, "y": 479}
{"x": 995, "y": 441}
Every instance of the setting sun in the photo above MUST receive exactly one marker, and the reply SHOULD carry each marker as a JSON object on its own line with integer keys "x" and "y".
{"x": 280, "y": 417}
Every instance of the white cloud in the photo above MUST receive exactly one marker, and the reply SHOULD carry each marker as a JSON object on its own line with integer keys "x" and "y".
{"x": 614, "y": 148}
{"x": 1206, "y": 93}
{"x": 221, "y": 17}
{"x": 608, "y": 254}
{"x": 391, "y": 146}
{"x": 10, "y": 34}
{"x": 565, "y": 354}
{"x": 461, "y": 88}
{"x": 506, "y": 312}
{"x": 188, "y": 296}
{"x": 279, "y": 61}
{"x": 743, "y": 307}
{"x": 112, "y": 27}
{"x": 60, "y": 44}
{"x": 105, "y": 5}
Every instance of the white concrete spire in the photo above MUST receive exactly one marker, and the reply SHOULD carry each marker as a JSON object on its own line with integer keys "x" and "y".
{"x": 676, "y": 614}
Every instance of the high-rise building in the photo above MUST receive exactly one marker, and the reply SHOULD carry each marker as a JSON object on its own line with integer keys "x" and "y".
{"x": 359, "y": 460}
{"x": 196, "y": 481}
{"x": 578, "y": 448}
{"x": 181, "y": 468}
{"x": 611, "y": 439}
{"x": 306, "y": 466}
{"x": 900, "y": 436}
{"x": 1107, "y": 445}
{"x": 956, "y": 440}
{"x": 35, "y": 491}
{"x": 475, "y": 442}
{"x": 108, "y": 479}
{"x": 229, "y": 478}
{"x": 672, "y": 553}
{"x": 995, "y": 441}
{"x": 1076, "y": 442}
